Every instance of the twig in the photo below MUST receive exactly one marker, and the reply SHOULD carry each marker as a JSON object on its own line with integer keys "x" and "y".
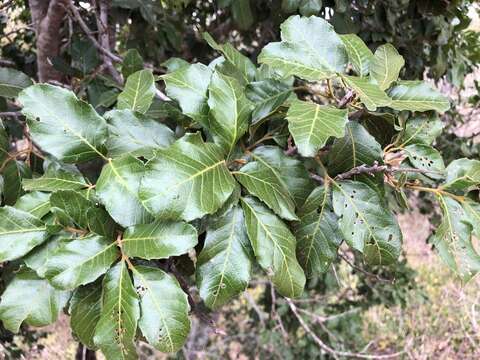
{"x": 327, "y": 348}
{"x": 291, "y": 149}
{"x": 365, "y": 272}
{"x": 349, "y": 96}
{"x": 4, "y": 62}
{"x": 11, "y": 113}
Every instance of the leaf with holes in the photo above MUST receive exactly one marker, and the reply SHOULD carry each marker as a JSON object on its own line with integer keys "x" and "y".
{"x": 311, "y": 125}
{"x": 274, "y": 248}
{"x": 138, "y": 92}
{"x": 426, "y": 158}
{"x": 68, "y": 128}
{"x": 164, "y": 306}
{"x": 365, "y": 223}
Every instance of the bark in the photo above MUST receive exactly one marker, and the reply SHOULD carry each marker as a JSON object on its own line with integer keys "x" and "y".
{"x": 48, "y": 18}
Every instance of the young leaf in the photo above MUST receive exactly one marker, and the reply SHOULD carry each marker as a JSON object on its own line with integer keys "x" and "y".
{"x": 20, "y": 232}
{"x": 358, "y": 53}
{"x": 36, "y": 203}
{"x": 117, "y": 188}
{"x": 422, "y": 129}
{"x": 138, "y": 92}
{"x": 56, "y": 178}
{"x": 66, "y": 127}
{"x": 12, "y": 82}
{"x": 371, "y": 95}
{"x": 81, "y": 261}
{"x": 164, "y": 306}
{"x": 132, "y": 62}
{"x": 267, "y": 95}
{"x": 230, "y": 109}
{"x": 274, "y": 247}
{"x": 365, "y": 224}
{"x": 386, "y": 65}
{"x": 136, "y": 134}
{"x": 32, "y": 300}
{"x": 85, "y": 310}
{"x": 317, "y": 233}
{"x": 427, "y": 158}
{"x": 288, "y": 170}
{"x": 224, "y": 264}
{"x": 417, "y": 96}
{"x": 159, "y": 240}
{"x": 311, "y": 125}
{"x": 189, "y": 86}
{"x": 117, "y": 326}
{"x": 310, "y": 49}
{"x": 187, "y": 180}
{"x": 453, "y": 239}
{"x": 357, "y": 147}
{"x": 462, "y": 174}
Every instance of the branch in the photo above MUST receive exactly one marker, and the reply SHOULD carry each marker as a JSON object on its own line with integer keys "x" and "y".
{"x": 376, "y": 168}
{"x": 365, "y": 272}
{"x": 327, "y": 348}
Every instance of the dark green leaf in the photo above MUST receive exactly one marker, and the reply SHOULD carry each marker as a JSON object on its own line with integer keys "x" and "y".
{"x": 36, "y": 203}
{"x": 417, "y": 96}
{"x": 56, "y": 178}
{"x": 422, "y": 129}
{"x": 13, "y": 173}
{"x": 132, "y": 62}
{"x": 267, "y": 95}
{"x": 310, "y": 7}
{"x": 462, "y": 174}
{"x": 12, "y": 82}
{"x": 242, "y": 13}
{"x": 38, "y": 257}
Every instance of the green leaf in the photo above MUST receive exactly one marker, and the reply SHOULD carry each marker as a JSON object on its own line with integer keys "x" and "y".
{"x": 264, "y": 182}
{"x": 132, "y": 62}
{"x": 311, "y": 125}
{"x": 310, "y": 49}
{"x": 174, "y": 63}
{"x": 225, "y": 262}
{"x": 38, "y": 257}
{"x": 66, "y": 127}
{"x": 317, "y": 233}
{"x": 267, "y": 96}
{"x": 189, "y": 86}
{"x": 85, "y": 310}
{"x": 135, "y": 133}
{"x": 422, "y": 129}
{"x": 310, "y": 7}
{"x": 164, "y": 306}
{"x": 31, "y": 300}
{"x": 274, "y": 247}
{"x": 117, "y": 188}
{"x": 12, "y": 82}
{"x": 357, "y": 147}
{"x": 359, "y": 54}
{"x": 417, "y": 96}
{"x": 288, "y": 170}
{"x": 36, "y": 203}
{"x": 290, "y": 6}
{"x": 235, "y": 60}
{"x": 462, "y": 174}
{"x": 365, "y": 224}
{"x": 13, "y": 173}
{"x": 242, "y": 14}
{"x": 56, "y": 178}
{"x": 230, "y": 109}
{"x": 81, "y": 261}
{"x": 138, "y": 92}
{"x": 159, "y": 240}
{"x": 427, "y": 158}
{"x": 187, "y": 180}
{"x": 386, "y": 65}
{"x": 472, "y": 210}
{"x": 20, "y": 232}
{"x": 453, "y": 239}
{"x": 116, "y": 328}
{"x": 371, "y": 95}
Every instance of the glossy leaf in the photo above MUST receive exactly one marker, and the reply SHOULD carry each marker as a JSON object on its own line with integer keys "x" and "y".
{"x": 56, "y": 178}
{"x": 386, "y": 65}
{"x": 12, "y": 82}
{"x": 20, "y": 232}
{"x": 310, "y": 49}
{"x": 31, "y": 300}
{"x": 274, "y": 247}
{"x": 462, "y": 174}
{"x": 359, "y": 54}
{"x": 230, "y": 110}
{"x": 311, "y": 125}
{"x": 117, "y": 188}
{"x": 116, "y": 328}
{"x": 164, "y": 307}
{"x": 138, "y": 92}
{"x": 224, "y": 264}
{"x": 68, "y": 128}
{"x": 365, "y": 224}
{"x": 267, "y": 96}
{"x": 37, "y": 258}
{"x": 135, "y": 134}
{"x": 187, "y": 180}
{"x": 426, "y": 158}
{"x": 189, "y": 86}
{"x": 371, "y": 95}
{"x": 81, "y": 261}
{"x": 36, "y": 203}
{"x": 159, "y": 240}
{"x": 417, "y": 96}
{"x": 85, "y": 310}
{"x": 317, "y": 233}
{"x": 422, "y": 129}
